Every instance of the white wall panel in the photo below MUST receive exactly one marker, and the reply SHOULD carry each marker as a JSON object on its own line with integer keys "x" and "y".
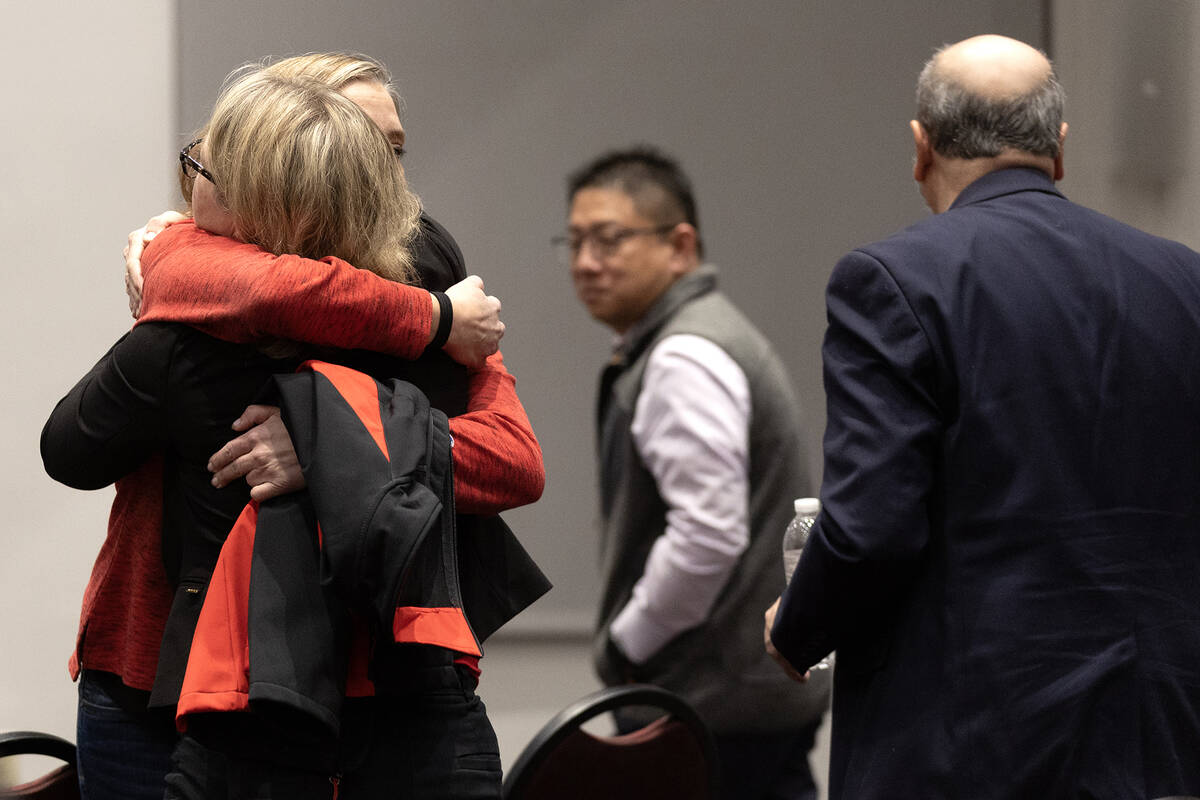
{"x": 85, "y": 155}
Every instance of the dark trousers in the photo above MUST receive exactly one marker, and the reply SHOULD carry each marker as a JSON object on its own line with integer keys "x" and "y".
{"x": 428, "y": 739}
{"x": 767, "y": 766}
{"x": 756, "y": 766}
{"x": 124, "y": 751}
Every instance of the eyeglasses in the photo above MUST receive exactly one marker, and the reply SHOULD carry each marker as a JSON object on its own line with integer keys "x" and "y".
{"x": 604, "y": 241}
{"x": 186, "y": 163}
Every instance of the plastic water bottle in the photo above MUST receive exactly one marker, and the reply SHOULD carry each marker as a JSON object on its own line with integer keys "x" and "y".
{"x": 794, "y": 539}
{"x": 796, "y": 535}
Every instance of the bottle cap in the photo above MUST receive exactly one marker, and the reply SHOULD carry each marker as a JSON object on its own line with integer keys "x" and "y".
{"x": 809, "y": 506}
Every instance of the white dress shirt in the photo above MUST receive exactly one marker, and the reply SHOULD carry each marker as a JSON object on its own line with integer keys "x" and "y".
{"x": 691, "y": 427}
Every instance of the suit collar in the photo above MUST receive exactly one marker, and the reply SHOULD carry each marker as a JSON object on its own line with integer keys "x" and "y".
{"x": 1006, "y": 181}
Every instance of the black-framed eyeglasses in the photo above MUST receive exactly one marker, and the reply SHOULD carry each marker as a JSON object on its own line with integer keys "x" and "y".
{"x": 604, "y": 241}
{"x": 190, "y": 166}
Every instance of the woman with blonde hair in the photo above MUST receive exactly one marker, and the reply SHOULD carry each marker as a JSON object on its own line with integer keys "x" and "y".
{"x": 301, "y": 174}
{"x": 333, "y": 189}
{"x": 293, "y": 167}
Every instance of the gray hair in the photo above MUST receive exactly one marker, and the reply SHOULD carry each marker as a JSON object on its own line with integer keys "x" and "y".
{"x": 962, "y": 124}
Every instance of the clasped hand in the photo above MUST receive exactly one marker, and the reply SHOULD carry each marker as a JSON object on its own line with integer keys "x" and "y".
{"x": 263, "y": 455}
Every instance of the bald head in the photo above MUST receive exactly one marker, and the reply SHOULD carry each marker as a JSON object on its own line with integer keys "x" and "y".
{"x": 993, "y": 67}
{"x": 990, "y": 95}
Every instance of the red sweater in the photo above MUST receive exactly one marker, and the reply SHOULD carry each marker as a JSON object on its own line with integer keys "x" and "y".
{"x": 238, "y": 292}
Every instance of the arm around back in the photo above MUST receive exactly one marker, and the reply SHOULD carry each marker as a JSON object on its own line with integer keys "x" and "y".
{"x": 238, "y": 292}
{"x": 115, "y": 416}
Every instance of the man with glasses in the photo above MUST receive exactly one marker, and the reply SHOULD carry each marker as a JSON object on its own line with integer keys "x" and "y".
{"x": 700, "y": 456}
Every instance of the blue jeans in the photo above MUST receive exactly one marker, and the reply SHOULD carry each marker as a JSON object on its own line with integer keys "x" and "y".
{"x": 124, "y": 751}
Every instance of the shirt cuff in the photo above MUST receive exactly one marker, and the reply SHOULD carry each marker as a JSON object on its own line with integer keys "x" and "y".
{"x": 638, "y": 635}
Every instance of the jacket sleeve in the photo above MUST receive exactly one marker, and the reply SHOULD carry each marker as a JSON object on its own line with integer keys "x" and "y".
{"x": 115, "y": 417}
{"x": 881, "y": 443}
{"x": 497, "y": 459}
{"x": 240, "y": 293}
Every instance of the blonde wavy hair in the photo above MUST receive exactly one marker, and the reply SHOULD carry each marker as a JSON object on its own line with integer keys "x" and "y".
{"x": 337, "y": 70}
{"x": 304, "y": 170}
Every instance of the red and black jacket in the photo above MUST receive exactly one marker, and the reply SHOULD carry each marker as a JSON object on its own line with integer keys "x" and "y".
{"x": 371, "y": 541}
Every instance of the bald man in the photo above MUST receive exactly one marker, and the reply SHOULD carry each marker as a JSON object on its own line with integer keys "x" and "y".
{"x": 1008, "y": 557}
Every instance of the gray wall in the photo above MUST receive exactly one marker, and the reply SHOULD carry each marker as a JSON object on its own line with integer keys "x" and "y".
{"x": 1131, "y": 71}
{"x": 790, "y": 117}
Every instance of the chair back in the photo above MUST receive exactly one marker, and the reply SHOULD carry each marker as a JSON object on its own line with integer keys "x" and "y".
{"x": 61, "y": 783}
{"x": 672, "y": 756}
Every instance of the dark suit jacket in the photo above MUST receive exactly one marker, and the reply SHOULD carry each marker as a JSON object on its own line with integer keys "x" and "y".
{"x": 1008, "y": 556}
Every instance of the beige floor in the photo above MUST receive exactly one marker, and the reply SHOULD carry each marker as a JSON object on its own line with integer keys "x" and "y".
{"x": 527, "y": 680}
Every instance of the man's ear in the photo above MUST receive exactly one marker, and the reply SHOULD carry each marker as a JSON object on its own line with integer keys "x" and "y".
{"x": 924, "y": 151}
{"x": 684, "y": 242}
{"x": 1058, "y": 159}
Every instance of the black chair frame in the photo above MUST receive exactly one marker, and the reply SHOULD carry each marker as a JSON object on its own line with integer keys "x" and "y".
{"x": 61, "y": 782}
{"x": 574, "y": 716}
{"x": 15, "y": 743}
